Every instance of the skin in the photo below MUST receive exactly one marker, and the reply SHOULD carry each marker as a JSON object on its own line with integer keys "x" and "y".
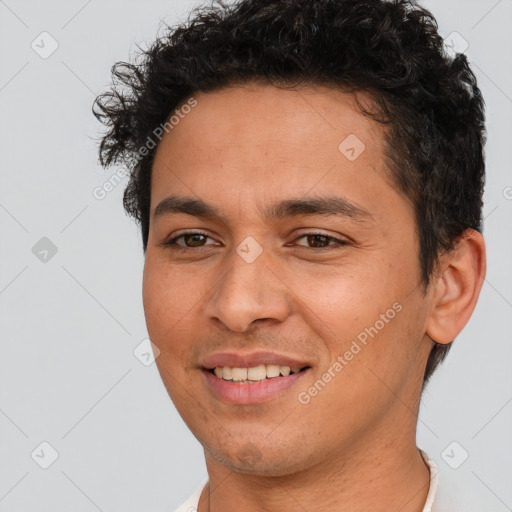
{"x": 353, "y": 446}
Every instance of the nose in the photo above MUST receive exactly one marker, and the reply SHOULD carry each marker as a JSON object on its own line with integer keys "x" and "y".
{"x": 247, "y": 292}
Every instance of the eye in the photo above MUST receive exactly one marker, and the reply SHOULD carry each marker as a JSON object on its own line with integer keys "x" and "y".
{"x": 321, "y": 240}
{"x": 192, "y": 239}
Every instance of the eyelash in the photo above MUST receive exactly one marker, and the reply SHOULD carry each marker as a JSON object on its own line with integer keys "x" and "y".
{"x": 172, "y": 242}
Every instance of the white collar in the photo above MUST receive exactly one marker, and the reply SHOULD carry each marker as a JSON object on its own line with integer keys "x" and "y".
{"x": 434, "y": 482}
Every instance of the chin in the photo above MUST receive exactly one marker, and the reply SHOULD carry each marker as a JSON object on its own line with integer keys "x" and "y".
{"x": 260, "y": 460}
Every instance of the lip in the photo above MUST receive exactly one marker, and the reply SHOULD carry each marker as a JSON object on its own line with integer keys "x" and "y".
{"x": 251, "y": 359}
{"x": 251, "y": 392}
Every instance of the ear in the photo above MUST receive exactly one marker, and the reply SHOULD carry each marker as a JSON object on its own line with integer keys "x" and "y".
{"x": 456, "y": 287}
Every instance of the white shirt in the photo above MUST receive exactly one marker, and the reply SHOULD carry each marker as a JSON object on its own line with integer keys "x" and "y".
{"x": 432, "y": 503}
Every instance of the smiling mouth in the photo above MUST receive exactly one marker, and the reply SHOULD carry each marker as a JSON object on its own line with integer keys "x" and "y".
{"x": 254, "y": 374}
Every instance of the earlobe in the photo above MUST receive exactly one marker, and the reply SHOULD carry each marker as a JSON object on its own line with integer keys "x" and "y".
{"x": 456, "y": 287}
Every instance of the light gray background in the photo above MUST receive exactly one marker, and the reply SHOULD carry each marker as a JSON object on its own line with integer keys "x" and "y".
{"x": 68, "y": 375}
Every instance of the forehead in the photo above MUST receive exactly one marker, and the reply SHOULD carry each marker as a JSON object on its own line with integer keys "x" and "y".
{"x": 259, "y": 142}
{"x": 257, "y": 114}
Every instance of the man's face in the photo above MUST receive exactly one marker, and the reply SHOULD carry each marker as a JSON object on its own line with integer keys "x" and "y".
{"x": 250, "y": 283}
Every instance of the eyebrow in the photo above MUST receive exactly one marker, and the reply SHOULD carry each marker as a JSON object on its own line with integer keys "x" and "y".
{"x": 331, "y": 205}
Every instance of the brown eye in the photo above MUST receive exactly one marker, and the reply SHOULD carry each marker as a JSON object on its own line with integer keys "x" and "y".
{"x": 321, "y": 241}
{"x": 318, "y": 240}
{"x": 191, "y": 240}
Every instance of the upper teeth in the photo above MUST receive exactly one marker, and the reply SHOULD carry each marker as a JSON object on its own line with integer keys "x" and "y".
{"x": 255, "y": 373}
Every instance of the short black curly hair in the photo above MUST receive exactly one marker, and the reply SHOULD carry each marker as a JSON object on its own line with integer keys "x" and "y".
{"x": 390, "y": 49}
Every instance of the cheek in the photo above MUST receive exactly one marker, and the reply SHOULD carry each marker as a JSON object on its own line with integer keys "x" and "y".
{"x": 167, "y": 297}
{"x": 367, "y": 321}
{"x": 157, "y": 298}
{"x": 169, "y": 291}
{"x": 167, "y": 309}
{"x": 341, "y": 302}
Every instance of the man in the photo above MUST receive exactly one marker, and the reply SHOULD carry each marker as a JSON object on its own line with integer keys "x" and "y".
{"x": 308, "y": 178}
